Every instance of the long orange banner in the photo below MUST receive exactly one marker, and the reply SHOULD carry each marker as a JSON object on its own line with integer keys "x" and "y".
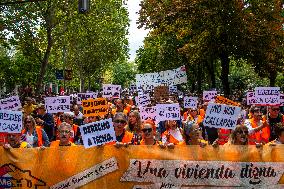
{"x": 142, "y": 167}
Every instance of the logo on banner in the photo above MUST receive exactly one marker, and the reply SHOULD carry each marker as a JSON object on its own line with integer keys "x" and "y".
{"x": 12, "y": 176}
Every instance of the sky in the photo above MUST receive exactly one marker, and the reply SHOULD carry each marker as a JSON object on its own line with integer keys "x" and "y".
{"x": 136, "y": 36}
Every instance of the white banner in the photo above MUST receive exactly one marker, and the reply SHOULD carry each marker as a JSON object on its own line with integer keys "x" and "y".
{"x": 110, "y": 91}
{"x": 168, "y": 112}
{"x": 175, "y": 173}
{"x": 11, "y": 103}
{"x": 98, "y": 133}
{"x": 169, "y": 77}
{"x": 209, "y": 95}
{"x": 11, "y": 121}
{"x": 85, "y": 96}
{"x": 221, "y": 116}
{"x": 143, "y": 100}
{"x": 190, "y": 102}
{"x": 88, "y": 175}
{"x": 267, "y": 95}
{"x": 57, "y": 104}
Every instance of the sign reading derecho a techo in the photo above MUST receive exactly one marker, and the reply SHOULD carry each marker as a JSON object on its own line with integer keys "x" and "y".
{"x": 98, "y": 133}
{"x": 221, "y": 116}
{"x": 219, "y": 173}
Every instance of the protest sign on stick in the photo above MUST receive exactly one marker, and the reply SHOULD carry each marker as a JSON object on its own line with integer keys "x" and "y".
{"x": 168, "y": 112}
{"x": 148, "y": 113}
{"x": 268, "y": 96}
{"x": 95, "y": 107}
{"x": 209, "y": 95}
{"x": 11, "y": 121}
{"x": 223, "y": 100}
{"x": 85, "y": 96}
{"x": 143, "y": 100}
{"x": 98, "y": 133}
{"x": 282, "y": 100}
{"x": 250, "y": 98}
{"x": 221, "y": 116}
{"x": 173, "y": 89}
{"x": 57, "y": 104}
{"x": 11, "y": 103}
{"x": 190, "y": 102}
{"x": 111, "y": 91}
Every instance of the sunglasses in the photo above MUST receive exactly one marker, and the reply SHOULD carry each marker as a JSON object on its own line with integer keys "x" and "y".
{"x": 28, "y": 121}
{"x": 64, "y": 132}
{"x": 275, "y": 109}
{"x": 120, "y": 121}
{"x": 242, "y": 132}
{"x": 148, "y": 130}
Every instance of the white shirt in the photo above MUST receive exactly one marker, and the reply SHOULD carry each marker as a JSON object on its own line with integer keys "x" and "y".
{"x": 30, "y": 139}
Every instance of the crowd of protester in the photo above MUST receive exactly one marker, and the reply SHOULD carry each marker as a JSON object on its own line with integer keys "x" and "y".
{"x": 258, "y": 126}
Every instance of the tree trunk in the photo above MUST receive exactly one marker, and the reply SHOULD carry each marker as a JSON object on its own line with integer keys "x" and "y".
{"x": 272, "y": 78}
{"x": 199, "y": 78}
{"x": 225, "y": 63}
{"x": 211, "y": 72}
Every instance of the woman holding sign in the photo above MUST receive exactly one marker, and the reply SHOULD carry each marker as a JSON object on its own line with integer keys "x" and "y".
{"x": 173, "y": 134}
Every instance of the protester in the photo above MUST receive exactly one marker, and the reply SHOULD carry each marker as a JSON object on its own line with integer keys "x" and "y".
{"x": 29, "y": 107}
{"x": 14, "y": 141}
{"x": 34, "y": 135}
{"x": 239, "y": 136}
{"x": 119, "y": 123}
{"x": 173, "y": 134}
{"x": 45, "y": 120}
{"x": 65, "y": 134}
{"x": 193, "y": 135}
{"x": 274, "y": 118}
{"x": 75, "y": 133}
{"x": 78, "y": 116}
{"x": 258, "y": 128}
{"x": 279, "y": 129}
{"x": 148, "y": 133}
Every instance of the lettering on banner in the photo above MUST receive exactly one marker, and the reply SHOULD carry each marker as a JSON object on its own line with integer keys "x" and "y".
{"x": 98, "y": 133}
{"x": 144, "y": 100}
{"x": 267, "y": 95}
{"x": 221, "y": 116}
{"x": 85, "y": 96}
{"x": 176, "y": 173}
{"x": 168, "y": 112}
{"x": 11, "y": 103}
{"x": 57, "y": 104}
{"x": 111, "y": 91}
{"x": 209, "y": 95}
{"x": 11, "y": 121}
{"x": 89, "y": 175}
{"x": 223, "y": 100}
{"x": 190, "y": 102}
{"x": 95, "y": 107}
{"x": 161, "y": 93}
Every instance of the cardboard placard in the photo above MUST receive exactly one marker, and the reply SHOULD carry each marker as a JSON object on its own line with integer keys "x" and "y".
{"x": 148, "y": 113}
{"x": 168, "y": 112}
{"x": 11, "y": 103}
{"x": 95, "y": 107}
{"x": 190, "y": 102}
{"x": 209, "y": 95}
{"x": 221, "y": 116}
{"x": 223, "y": 100}
{"x": 111, "y": 91}
{"x": 161, "y": 93}
{"x": 98, "y": 133}
{"x": 85, "y": 96}
{"x": 143, "y": 100}
{"x": 57, "y": 104}
{"x": 11, "y": 121}
{"x": 267, "y": 95}
{"x": 250, "y": 98}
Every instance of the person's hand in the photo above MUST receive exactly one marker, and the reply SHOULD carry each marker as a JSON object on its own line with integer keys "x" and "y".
{"x": 272, "y": 144}
{"x": 258, "y": 145}
{"x": 42, "y": 148}
{"x": 202, "y": 144}
{"x": 171, "y": 146}
{"x": 162, "y": 146}
{"x": 118, "y": 144}
{"x": 7, "y": 146}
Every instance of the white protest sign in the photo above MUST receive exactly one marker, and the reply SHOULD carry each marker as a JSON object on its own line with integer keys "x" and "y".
{"x": 168, "y": 112}
{"x": 110, "y": 91}
{"x": 250, "y": 98}
{"x": 57, "y": 104}
{"x": 85, "y": 96}
{"x": 200, "y": 173}
{"x": 282, "y": 100}
{"x": 169, "y": 77}
{"x": 11, "y": 103}
{"x": 148, "y": 113}
{"x": 144, "y": 100}
{"x": 89, "y": 175}
{"x": 209, "y": 95}
{"x": 267, "y": 95}
{"x": 190, "y": 102}
{"x": 98, "y": 133}
{"x": 173, "y": 89}
{"x": 221, "y": 116}
{"x": 11, "y": 121}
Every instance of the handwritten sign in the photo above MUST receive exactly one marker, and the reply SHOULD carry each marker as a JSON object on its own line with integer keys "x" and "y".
{"x": 57, "y": 104}
{"x": 190, "y": 102}
{"x": 143, "y": 100}
{"x": 148, "y": 113}
{"x": 11, "y": 121}
{"x": 221, "y": 116}
{"x": 110, "y": 91}
{"x": 209, "y": 95}
{"x": 177, "y": 173}
{"x": 85, "y": 96}
{"x": 173, "y": 89}
{"x": 89, "y": 175}
{"x": 169, "y": 77}
{"x": 98, "y": 133}
{"x": 282, "y": 100}
{"x": 267, "y": 95}
{"x": 161, "y": 92}
{"x": 168, "y": 112}
{"x": 223, "y": 100}
{"x": 11, "y": 103}
{"x": 250, "y": 98}
{"x": 95, "y": 107}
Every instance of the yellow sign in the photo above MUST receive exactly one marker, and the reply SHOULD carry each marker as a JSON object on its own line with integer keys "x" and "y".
{"x": 95, "y": 107}
{"x": 108, "y": 167}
